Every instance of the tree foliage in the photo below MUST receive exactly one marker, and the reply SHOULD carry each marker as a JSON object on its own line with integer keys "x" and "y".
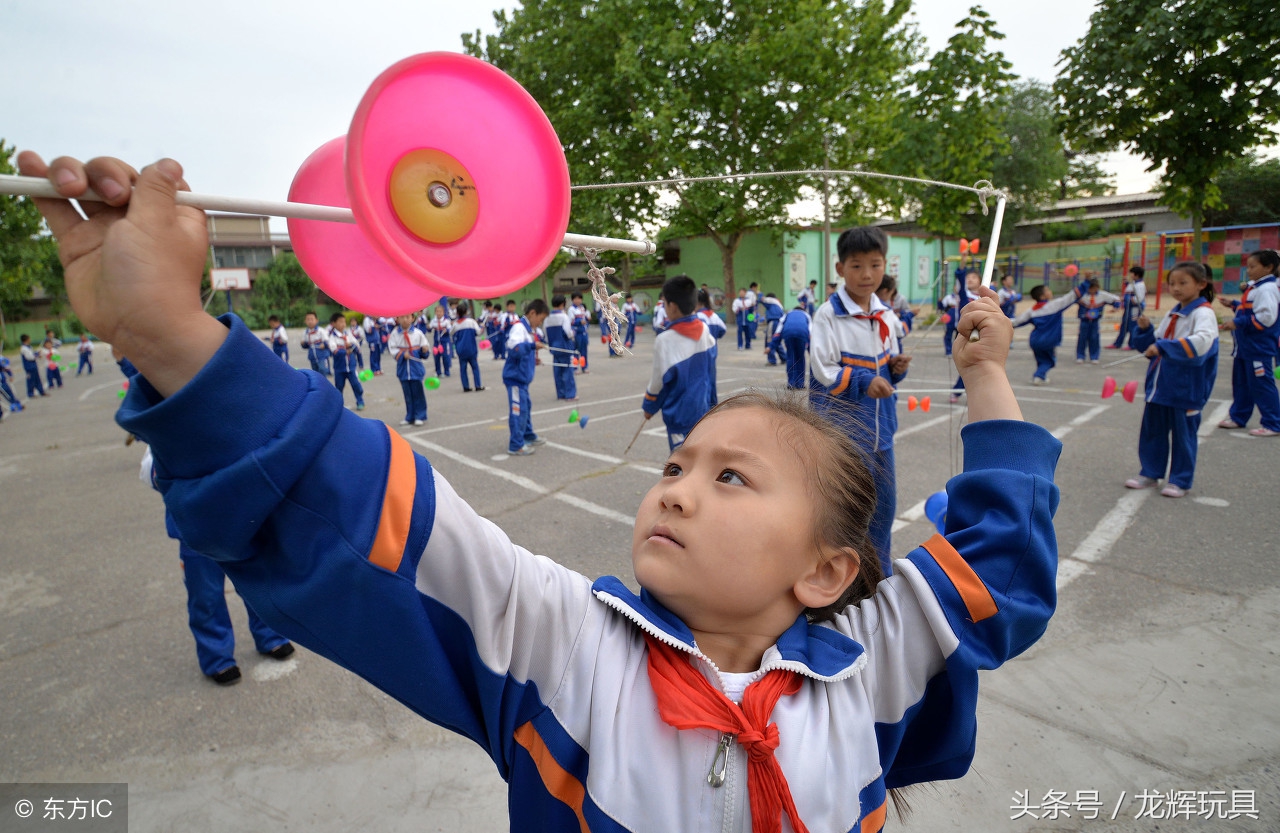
{"x": 645, "y": 90}
{"x": 953, "y": 128}
{"x": 1188, "y": 85}
{"x": 28, "y": 255}
{"x": 1250, "y": 189}
{"x": 284, "y": 290}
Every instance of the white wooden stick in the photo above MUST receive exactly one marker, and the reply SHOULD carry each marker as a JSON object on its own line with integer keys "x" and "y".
{"x": 31, "y": 186}
{"x": 994, "y": 246}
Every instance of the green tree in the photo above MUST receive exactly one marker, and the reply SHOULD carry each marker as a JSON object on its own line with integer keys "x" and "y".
{"x": 284, "y": 290}
{"x": 28, "y": 255}
{"x": 645, "y": 90}
{"x": 953, "y": 127}
{"x": 1189, "y": 85}
{"x": 1250, "y": 189}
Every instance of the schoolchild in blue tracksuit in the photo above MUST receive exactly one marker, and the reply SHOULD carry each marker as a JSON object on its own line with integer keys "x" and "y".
{"x": 808, "y": 298}
{"x": 965, "y": 292}
{"x": 357, "y": 351}
{"x": 659, "y": 321}
{"x": 408, "y": 346}
{"x": 508, "y": 320}
{"x": 1133, "y": 302}
{"x": 315, "y": 340}
{"x": 1009, "y": 297}
{"x": 85, "y": 347}
{"x": 523, "y": 345}
{"x": 1257, "y": 336}
{"x": 1184, "y": 365}
{"x": 342, "y": 343}
{"x": 1045, "y": 316}
{"x": 375, "y": 338}
{"x": 559, "y": 327}
{"x": 740, "y": 320}
{"x": 793, "y": 333}
{"x": 28, "y": 353}
{"x": 441, "y": 343}
{"x": 52, "y": 370}
{"x": 683, "y": 357}
{"x": 492, "y": 321}
{"x": 1090, "y": 309}
{"x": 279, "y": 338}
{"x": 632, "y": 313}
{"x": 6, "y": 375}
{"x": 774, "y": 312}
{"x": 465, "y": 334}
{"x": 716, "y": 325}
{"x": 752, "y": 303}
{"x": 855, "y": 362}
{"x": 951, "y": 304}
{"x": 581, "y": 317}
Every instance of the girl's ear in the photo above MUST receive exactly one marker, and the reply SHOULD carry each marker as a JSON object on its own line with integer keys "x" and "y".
{"x": 829, "y": 577}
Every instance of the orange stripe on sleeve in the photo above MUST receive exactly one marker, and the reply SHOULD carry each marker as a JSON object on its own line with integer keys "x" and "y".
{"x": 555, "y": 778}
{"x": 874, "y": 821}
{"x": 849, "y": 361}
{"x": 976, "y": 596}
{"x": 845, "y": 376}
{"x": 397, "y": 506}
{"x": 1186, "y": 345}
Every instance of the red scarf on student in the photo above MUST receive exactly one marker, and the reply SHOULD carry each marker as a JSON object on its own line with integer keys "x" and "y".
{"x": 878, "y": 316}
{"x": 687, "y": 700}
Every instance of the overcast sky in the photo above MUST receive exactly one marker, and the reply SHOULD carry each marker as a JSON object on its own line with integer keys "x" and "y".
{"x": 241, "y": 92}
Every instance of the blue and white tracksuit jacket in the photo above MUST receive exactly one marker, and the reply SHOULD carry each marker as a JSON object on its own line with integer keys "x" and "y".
{"x": 559, "y": 329}
{"x": 681, "y": 385}
{"x": 1179, "y": 382}
{"x": 1257, "y": 345}
{"x": 546, "y": 670}
{"x": 1045, "y": 319}
{"x": 716, "y": 325}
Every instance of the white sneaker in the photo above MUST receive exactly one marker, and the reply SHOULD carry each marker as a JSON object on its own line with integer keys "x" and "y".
{"x": 1079, "y": 361}
{"x": 404, "y": 422}
{"x": 419, "y": 422}
{"x": 1036, "y": 380}
{"x": 1095, "y": 361}
{"x": 1173, "y": 491}
{"x": 1143, "y": 482}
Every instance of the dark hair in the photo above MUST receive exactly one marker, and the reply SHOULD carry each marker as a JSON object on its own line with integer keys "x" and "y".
{"x": 888, "y": 283}
{"x": 628, "y": 296}
{"x": 557, "y": 300}
{"x": 704, "y": 300}
{"x": 861, "y": 240}
{"x": 511, "y": 302}
{"x": 271, "y": 318}
{"x": 1138, "y": 272}
{"x": 1208, "y": 271}
{"x": 681, "y": 291}
{"x": 333, "y": 318}
{"x": 24, "y": 338}
{"x": 1198, "y": 274}
{"x": 537, "y": 306}
{"x": 488, "y": 304}
{"x": 1268, "y": 258}
{"x": 1037, "y": 293}
{"x": 841, "y": 486}
{"x": 310, "y": 312}
{"x": 463, "y": 308}
{"x": 1093, "y": 283}
{"x": 576, "y": 296}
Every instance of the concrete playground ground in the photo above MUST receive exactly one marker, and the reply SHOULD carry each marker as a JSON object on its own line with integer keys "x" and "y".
{"x": 1151, "y": 702}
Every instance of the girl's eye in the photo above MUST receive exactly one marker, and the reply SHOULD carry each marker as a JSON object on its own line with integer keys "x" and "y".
{"x": 731, "y": 477}
{"x": 670, "y": 470}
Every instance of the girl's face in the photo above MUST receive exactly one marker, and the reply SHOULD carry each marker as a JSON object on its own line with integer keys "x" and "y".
{"x": 405, "y": 321}
{"x": 1183, "y": 287}
{"x": 724, "y": 538}
{"x": 1255, "y": 270}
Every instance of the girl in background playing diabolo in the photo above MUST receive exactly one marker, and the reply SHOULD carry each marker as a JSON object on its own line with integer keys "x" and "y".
{"x": 1257, "y": 330}
{"x": 1184, "y": 365}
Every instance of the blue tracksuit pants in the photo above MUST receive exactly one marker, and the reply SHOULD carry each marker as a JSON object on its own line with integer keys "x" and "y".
{"x": 519, "y": 417}
{"x": 1253, "y": 383}
{"x": 340, "y": 378}
{"x": 208, "y": 617}
{"x": 415, "y": 400}
{"x": 566, "y": 385}
{"x": 86, "y": 363}
{"x": 1088, "y": 340}
{"x": 1044, "y": 361}
{"x": 1128, "y": 320}
{"x": 580, "y": 344}
{"x": 1159, "y": 423}
{"x": 465, "y": 362}
{"x": 794, "y": 357}
{"x": 281, "y": 350}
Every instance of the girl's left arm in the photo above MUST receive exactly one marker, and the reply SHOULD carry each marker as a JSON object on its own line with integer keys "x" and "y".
{"x": 1193, "y": 348}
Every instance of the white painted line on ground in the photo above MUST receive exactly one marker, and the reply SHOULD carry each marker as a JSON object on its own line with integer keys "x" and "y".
{"x": 604, "y": 458}
{"x": 645, "y": 469}
{"x": 1219, "y": 414}
{"x": 591, "y": 421}
{"x": 1097, "y": 545}
{"x": 97, "y": 388}
{"x": 915, "y": 513}
{"x": 450, "y": 428}
{"x": 1212, "y": 501}
{"x": 1063, "y": 430}
{"x": 524, "y": 482}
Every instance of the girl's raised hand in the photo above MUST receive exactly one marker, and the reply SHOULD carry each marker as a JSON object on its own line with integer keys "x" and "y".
{"x": 133, "y": 263}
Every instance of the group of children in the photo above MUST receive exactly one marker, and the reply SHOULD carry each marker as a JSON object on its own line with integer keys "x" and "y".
{"x": 32, "y": 358}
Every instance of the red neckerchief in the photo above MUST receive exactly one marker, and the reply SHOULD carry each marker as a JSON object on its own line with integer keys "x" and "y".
{"x": 687, "y": 700}
{"x": 878, "y": 316}
{"x": 1038, "y": 304}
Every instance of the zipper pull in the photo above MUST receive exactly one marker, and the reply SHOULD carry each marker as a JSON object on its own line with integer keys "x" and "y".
{"x": 720, "y": 763}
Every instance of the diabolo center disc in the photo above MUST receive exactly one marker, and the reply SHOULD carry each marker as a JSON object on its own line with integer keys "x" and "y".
{"x": 433, "y": 195}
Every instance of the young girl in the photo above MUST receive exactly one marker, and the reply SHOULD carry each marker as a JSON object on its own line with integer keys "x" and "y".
{"x": 1092, "y": 305}
{"x": 408, "y": 346}
{"x": 1257, "y": 328}
{"x": 52, "y": 372}
{"x": 1184, "y": 365}
{"x": 761, "y": 673}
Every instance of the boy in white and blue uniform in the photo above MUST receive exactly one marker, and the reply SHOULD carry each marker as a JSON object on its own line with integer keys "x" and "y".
{"x": 794, "y": 334}
{"x": 808, "y": 298}
{"x": 855, "y": 362}
{"x": 1045, "y": 317}
{"x": 1257, "y": 344}
{"x": 1133, "y": 302}
{"x": 632, "y": 312}
{"x": 1009, "y": 297}
{"x": 29, "y": 365}
{"x": 517, "y": 374}
{"x": 1092, "y": 305}
{"x": 683, "y": 361}
{"x": 408, "y": 346}
{"x": 659, "y": 321}
{"x": 716, "y": 325}
{"x": 465, "y": 332}
{"x": 315, "y": 340}
{"x": 751, "y": 301}
{"x": 441, "y": 343}
{"x": 559, "y": 327}
{"x": 376, "y": 339}
{"x": 279, "y": 337}
{"x": 342, "y": 342}
{"x": 86, "y": 354}
{"x": 508, "y": 319}
{"x": 6, "y": 375}
{"x": 773, "y": 315}
{"x": 581, "y": 320}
